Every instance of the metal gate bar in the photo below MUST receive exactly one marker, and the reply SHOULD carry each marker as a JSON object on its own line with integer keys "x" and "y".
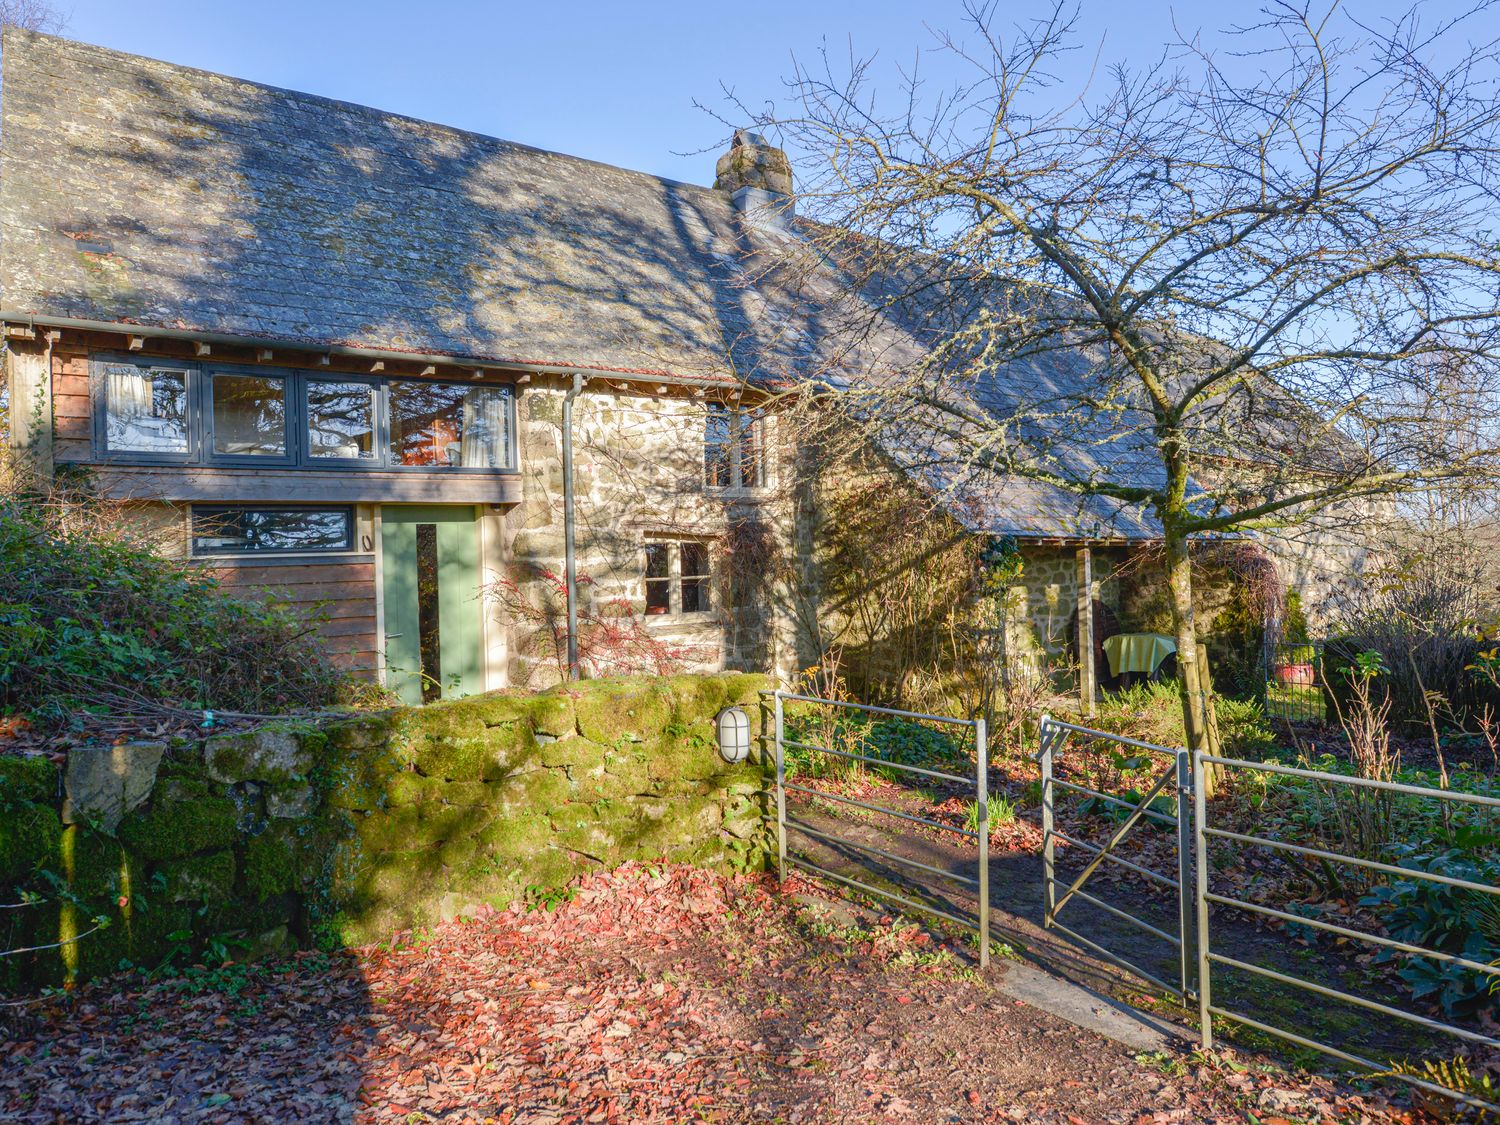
{"x": 1176, "y": 778}
{"x": 980, "y": 781}
{"x": 1207, "y": 1009}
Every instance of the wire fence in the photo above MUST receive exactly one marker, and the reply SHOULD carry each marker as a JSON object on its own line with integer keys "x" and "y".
{"x": 1293, "y": 682}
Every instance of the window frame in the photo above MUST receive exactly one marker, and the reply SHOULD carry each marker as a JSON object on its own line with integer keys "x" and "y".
{"x": 744, "y": 425}
{"x": 675, "y": 612}
{"x": 99, "y": 412}
{"x": 208, "y": 427}
{"x": 298, "y": 454}
{"x": 350, "y": 538}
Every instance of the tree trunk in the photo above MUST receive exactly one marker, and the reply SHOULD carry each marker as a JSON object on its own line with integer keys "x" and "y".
{"x": 1193, "y": 677}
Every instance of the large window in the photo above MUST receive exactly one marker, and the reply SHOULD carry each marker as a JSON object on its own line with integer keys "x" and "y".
{"x": 677, "y": 577}
{"x": 146, "y": 411}
{"x": 249, "y": 415}
{"x": 235, "y": 530}
{"x": 213, "y": 414}
{"x": 447, "y": 426}
{"x": 733, "y": 448}
{"x": 341, "y": 420}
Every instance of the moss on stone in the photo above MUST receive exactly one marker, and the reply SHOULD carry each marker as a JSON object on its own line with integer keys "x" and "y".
{"x": 271, "y": 865}
{"x": 200, "y": 878}
{"x": 534, "y": 790}
{"x": 389, "y": 830}
{"x": 610, "y": 711}
{"x": 30, "y": 838}
{"x": 358, "y": 734}
{"x": 179, "y": 825}
{"x": 514, "y": 837}
{"x": 406, "y": 787}
{"x": 101, "y": 867}
{"x": 27, "y": 781}
{"x": 572, "y": 751}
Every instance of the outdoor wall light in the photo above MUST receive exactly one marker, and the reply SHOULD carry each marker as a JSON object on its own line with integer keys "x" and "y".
{"x": 734, "y": 734}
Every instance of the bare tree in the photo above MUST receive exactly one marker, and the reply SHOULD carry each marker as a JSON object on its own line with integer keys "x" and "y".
{"x": 1211, "y": 291}
{"x": 33, "y": 15}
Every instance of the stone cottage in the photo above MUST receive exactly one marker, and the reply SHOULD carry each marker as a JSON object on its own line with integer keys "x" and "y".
{"x": 429, "y": 382}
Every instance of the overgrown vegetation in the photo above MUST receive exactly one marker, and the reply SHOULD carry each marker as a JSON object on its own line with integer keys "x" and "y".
{"x": 93, "y": 618}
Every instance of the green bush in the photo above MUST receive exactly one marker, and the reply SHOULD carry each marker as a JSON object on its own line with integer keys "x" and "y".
{"x": 90, "y": 617}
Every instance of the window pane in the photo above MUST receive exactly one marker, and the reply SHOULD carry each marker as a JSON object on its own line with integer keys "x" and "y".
{"x": 340, "y": 420}
{"x": 694, "y": 560}
{"x": 249, "y": 415}
{"x": 716, "y": 446}
{"x": 657, "y": 560}
{"x": 694, "y": 595}
{"x": 658, "y": 582}
{"x": 752, "y": 466}
{"x": 219, "y": 531}
{"x": 447, "y": 426}
{"x": 146, "y": 409}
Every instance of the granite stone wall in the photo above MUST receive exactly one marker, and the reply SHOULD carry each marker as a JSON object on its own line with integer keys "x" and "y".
{"x": 349, "y": 830}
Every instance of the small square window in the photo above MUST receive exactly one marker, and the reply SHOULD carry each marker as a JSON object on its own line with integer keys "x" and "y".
{"x": 249, "y": 415}
{"x": 146, "y": 410}
{"x": 677, "y": 577}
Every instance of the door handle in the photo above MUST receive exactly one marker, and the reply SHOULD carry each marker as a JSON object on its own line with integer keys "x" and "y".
{"x": 393, "y": 636}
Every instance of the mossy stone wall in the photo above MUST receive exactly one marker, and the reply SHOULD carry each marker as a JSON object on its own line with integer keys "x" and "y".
{"x": 351, "y": 829}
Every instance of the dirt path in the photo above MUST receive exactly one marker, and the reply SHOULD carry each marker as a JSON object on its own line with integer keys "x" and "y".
{"x": 652, "y": 996}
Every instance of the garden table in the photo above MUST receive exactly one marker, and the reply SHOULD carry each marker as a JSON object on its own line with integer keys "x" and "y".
{"x": 1137, "y": 652}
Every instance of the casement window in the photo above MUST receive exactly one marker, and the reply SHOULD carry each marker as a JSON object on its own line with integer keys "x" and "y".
{"x": 677, "y": 577}
{"x": 146, "y": 410}
{"x": 733, "y": 448}
{"x": 251, "y": 530}
{"x": 210, "y": 414}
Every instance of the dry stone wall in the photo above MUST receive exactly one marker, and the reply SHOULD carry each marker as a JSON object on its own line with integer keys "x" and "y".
{"x": 349, "y": 830}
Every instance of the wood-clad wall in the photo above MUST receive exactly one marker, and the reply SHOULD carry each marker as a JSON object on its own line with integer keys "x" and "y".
{"x": 338, "y": 593}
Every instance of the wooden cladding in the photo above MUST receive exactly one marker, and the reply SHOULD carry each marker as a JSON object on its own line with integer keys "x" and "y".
{"x": 337, "y": 594}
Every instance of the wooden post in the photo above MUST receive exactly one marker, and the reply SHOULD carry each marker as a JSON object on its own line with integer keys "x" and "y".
{"x": 1086, "y": 675}
{"x": 28, "y": 370}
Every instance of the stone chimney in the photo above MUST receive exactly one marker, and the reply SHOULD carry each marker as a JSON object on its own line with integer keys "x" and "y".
{"x": 758, "y": 178}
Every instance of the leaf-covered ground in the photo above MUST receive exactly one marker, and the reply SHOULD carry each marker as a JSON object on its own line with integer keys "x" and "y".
{"x": 652, "y": 995}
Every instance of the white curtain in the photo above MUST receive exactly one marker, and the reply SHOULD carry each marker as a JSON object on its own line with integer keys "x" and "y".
{"x": 129, "y": 393}
{"x": 485, "y": 422}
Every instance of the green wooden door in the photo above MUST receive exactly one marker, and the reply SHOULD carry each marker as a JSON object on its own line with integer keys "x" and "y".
{"x": 433, "y": 614}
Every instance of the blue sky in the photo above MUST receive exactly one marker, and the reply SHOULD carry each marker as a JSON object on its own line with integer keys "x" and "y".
{"x": 609, "y": 81}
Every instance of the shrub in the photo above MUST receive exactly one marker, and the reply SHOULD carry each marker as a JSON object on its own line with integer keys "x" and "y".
{"x": 90, "y": 617}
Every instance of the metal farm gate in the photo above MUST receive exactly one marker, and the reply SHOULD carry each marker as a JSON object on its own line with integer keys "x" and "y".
{"x": 1192, "y": 893}
{"x": 786, "y": 855}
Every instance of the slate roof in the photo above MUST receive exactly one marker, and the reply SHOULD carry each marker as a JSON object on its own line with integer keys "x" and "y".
{"x": 139, "y": 192}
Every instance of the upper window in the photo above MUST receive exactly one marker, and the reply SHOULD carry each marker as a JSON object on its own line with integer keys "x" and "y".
{"x": 341, "y": 418}
{"x": 249, "y": 415}
{"x": 448, "y": 426}
{"x": 246, "y": 531}
{"x": 733, "y": 448}
{"x": 213, "y": 414}
{"x": 146, "y": 410}
{"x": 677, "y": 577}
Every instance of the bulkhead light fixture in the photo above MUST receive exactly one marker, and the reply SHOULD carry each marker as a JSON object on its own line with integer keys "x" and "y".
{"x": 734, "y": 734}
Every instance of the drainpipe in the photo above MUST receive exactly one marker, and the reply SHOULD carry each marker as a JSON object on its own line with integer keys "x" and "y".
{"x": 569, "y": 565}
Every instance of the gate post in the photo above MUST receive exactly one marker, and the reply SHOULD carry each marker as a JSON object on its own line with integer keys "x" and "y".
{"x": 780, "y": 791}
{"x": 1186, "y": 782}
{"x": 982, "y": 777}
{"x": 1200, "y": 863}
{"x": 1049, "y": 889}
